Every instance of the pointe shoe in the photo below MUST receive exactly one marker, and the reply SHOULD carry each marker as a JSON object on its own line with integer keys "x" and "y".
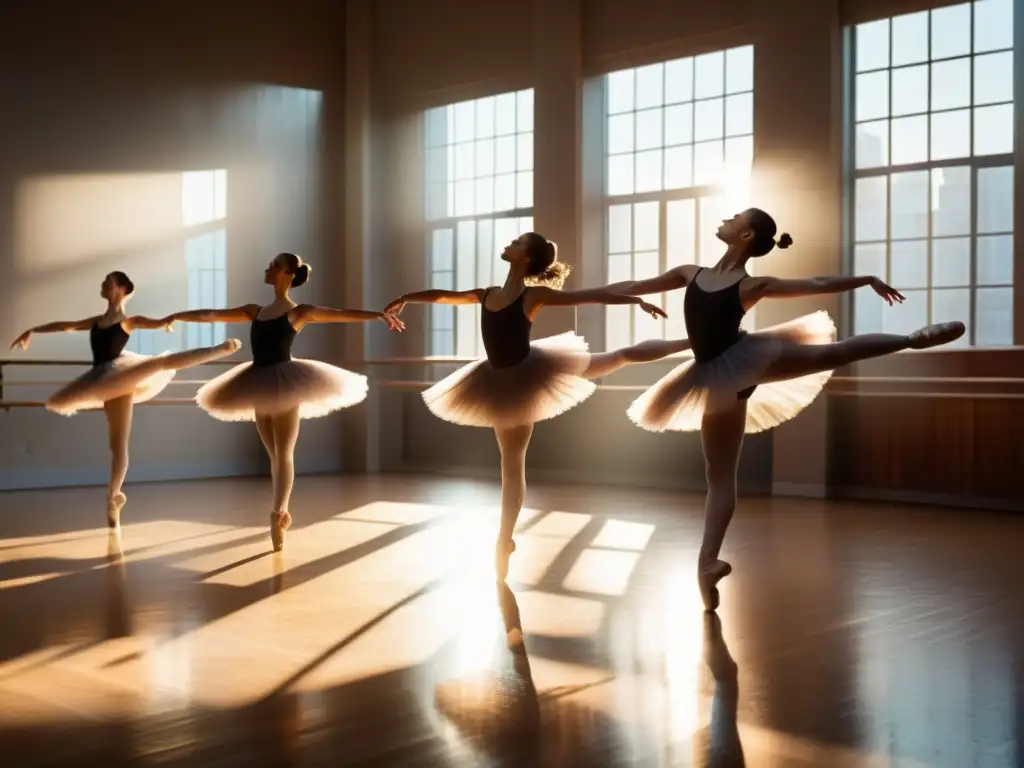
{"x": 708, "y": 578}
{"x": 114, "y": 504}
{"x": 503, "y": 551}
{"x": 279, "y": 523}
{"x": 937, "y": 334}
{"x": 231, "y": 345}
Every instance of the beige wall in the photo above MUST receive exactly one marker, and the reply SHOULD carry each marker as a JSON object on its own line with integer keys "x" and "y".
{"x": 110, "y": 104}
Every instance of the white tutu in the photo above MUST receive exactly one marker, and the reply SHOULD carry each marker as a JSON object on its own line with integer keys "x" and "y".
{"x": 680, "y": 399}
{"x": 544, "y": 385}
{"x": 127, "y": 374}
{"x": 315, "y": 388}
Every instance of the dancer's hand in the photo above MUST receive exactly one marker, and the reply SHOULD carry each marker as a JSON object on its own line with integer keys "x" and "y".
{"x": 652, "y": 310}
{"x": 395, "y": 307}
{"x": 167, "y": 323}
{"x": 887, "y": 292}
{"x": 394, "y": 323}
{"x": 22, "y": 341}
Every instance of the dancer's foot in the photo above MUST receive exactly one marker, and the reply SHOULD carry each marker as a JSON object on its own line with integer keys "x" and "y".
{"x": 231, "y": 345}
{"x": 279, "y": 523}
{"x": 707, "y": 579}
{"x": 502, "y": 552}
{"x": 937, "y": 334}
{"x": 114, "y": 504}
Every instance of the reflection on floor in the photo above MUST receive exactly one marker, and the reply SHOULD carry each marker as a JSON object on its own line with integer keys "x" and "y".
{"x": 849, "y": 635}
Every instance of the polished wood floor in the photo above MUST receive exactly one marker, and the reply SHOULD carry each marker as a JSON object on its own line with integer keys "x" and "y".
{"x": 849, "y": 634}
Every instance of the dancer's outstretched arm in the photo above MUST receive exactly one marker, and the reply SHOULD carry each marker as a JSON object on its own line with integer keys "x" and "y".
{"x": 308, "y": 313}
{"x": 58, "y": 327}
{"x": 757, "y": 288}
{"x": 475, "y": 296}
{"x": 675, "y": 278}
{"x": 541, "y": 296}
{"x": 143, "y": 323}
{"x": 242, "y": 314}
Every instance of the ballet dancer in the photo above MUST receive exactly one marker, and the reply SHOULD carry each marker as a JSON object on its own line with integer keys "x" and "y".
{"x": 742, "y": 382}
{"x": 520, "y": 383}
{"x": 275, "y": 390}
{"x": 119, "y": 379}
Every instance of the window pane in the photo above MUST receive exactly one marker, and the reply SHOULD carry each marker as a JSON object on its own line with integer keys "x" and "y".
{"x": 620, "y": 91}
{"x": 681, "y": 231}
{"x": 993, "y": 78}
{"x": 679, "y": 167}
{"x": 679, "y": 124}
{"x": 993, "y": 25}
{"x": 739, "y": 115}
{"x": 441, "y": 344}
{"x": 648, "y": 129}
{"x": 867, "y": 311}
{"x": 646, "y": 226}
{"x": 909, "y": 140}
{"x": 952, "y": 304}
{"x": 524, "y": 152}
{"x": 993, "y": 130}
{"x": 872, "y": 144}
{"x": 524, "y": 189}
{"x": 739, "y": 157}
{"x": 485, "y": 157}
{"x": 739, "y": 69}
{"x": 951, "y": 84}
{"x": 441, "y": 317}
{"x": 872, "y": 91}
{"x": 708, "y": 120}
{"x": 484, "y": 195}
{"x": 465, "y": 256}
{"x": 995, "y": 260}
{"x": 465, "y": 121}
{"x": 910, "y": 38}
{"x": 620, "y": 233}
{"x": 465, "y": 165}
{"x": 505, "y": 114}
{"x": 910, "y": 90}
{"x": 505, "y": 192}
{"x": 995, "y": 199}
{"x": 709, "y": 75}
{"x": 466, "y": 330}
{"x": 650, "y": 86}
{"x": 465, "y": 198}
{"x": 951, "y": 262}
{"x": 442, "y": 250}
{"x": 620, "y": 175}
{"x": 951, "y": 31}
{"x": 707, "y": 161}
{"x": 871, "y": 197}
{"x": 909, "y": 198}
{"x": 909, "y": 264}
{"x": 869, "y": 260}
{"x": 620, "y": 133}
{"x": 648, "y": 171}
{"x": 485, "y": 114}
{"x": 906, "y": 317}
{"x": 951, "y": 134}
{"x": 951, "y": 201}
{"x": 505, "y": 155}
{"x": 435, "y": 124}
{"x": 993, "y": 317}
{"x": 873, "y": 45}
{"x": 617, "y": 328}
{"x": 524, "y": 111}
{"x": 485, "y": 253}
{"x": 679, "y": 81}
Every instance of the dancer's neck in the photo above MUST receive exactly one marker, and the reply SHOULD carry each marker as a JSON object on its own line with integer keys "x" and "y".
{"x": 115, "y": 308}
{"x": 281, "y": 294}
{"x": 735, "y": 257}
{"x": 515, "y": 281}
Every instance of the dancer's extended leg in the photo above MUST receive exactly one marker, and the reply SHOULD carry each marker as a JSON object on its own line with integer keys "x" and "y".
{"x": 265, "y": 428}
{"x": 286, "y": 434}
{"x": 119, "y": 427}
{"x": 722, "y": 438}
{"x": 512, "y": 442}
{"x": 605, "y": 363}
{"x": 803, "y": 360}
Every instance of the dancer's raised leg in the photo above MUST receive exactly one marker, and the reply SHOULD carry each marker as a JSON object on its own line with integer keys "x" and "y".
{"x": 606, "y": 363}
{"x": 512, "y": 443}
{"x": 285, "y": 428}
{"x": 119, "y": 427}
{"x": 722, "y": 438}
{"x": 805, "y": 359}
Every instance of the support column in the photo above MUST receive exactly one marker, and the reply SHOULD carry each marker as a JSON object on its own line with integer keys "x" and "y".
{"x": 558, "y": 45}
{"x": 359, "y": 433}
{"x": 798, "y": 179}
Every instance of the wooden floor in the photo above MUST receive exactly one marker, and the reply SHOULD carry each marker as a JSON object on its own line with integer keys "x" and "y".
{"x": 849, "y": 634}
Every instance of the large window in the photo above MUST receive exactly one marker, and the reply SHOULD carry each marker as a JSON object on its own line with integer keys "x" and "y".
{"x": 479, "y": 197}
{"x": 933, "y": 149}
{"x": 679, "y": 143}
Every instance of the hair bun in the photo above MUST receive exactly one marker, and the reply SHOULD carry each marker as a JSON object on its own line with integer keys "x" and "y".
{"x": 784, "y": 241}
{"x": 301, "y": 275}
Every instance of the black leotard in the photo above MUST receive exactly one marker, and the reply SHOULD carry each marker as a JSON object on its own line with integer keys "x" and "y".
{"x": 271, "y": 340}
{"x": 106, "y": 343}
{"x": 713, "y": 321}
{"x": 506, "y": 333}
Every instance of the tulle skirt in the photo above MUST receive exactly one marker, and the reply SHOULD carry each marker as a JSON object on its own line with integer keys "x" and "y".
{"x": 544, "y": 385}
{"x": 680, "y": 399}
{"x": 315, "y": 388}
{"x": 127, "y": 374}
